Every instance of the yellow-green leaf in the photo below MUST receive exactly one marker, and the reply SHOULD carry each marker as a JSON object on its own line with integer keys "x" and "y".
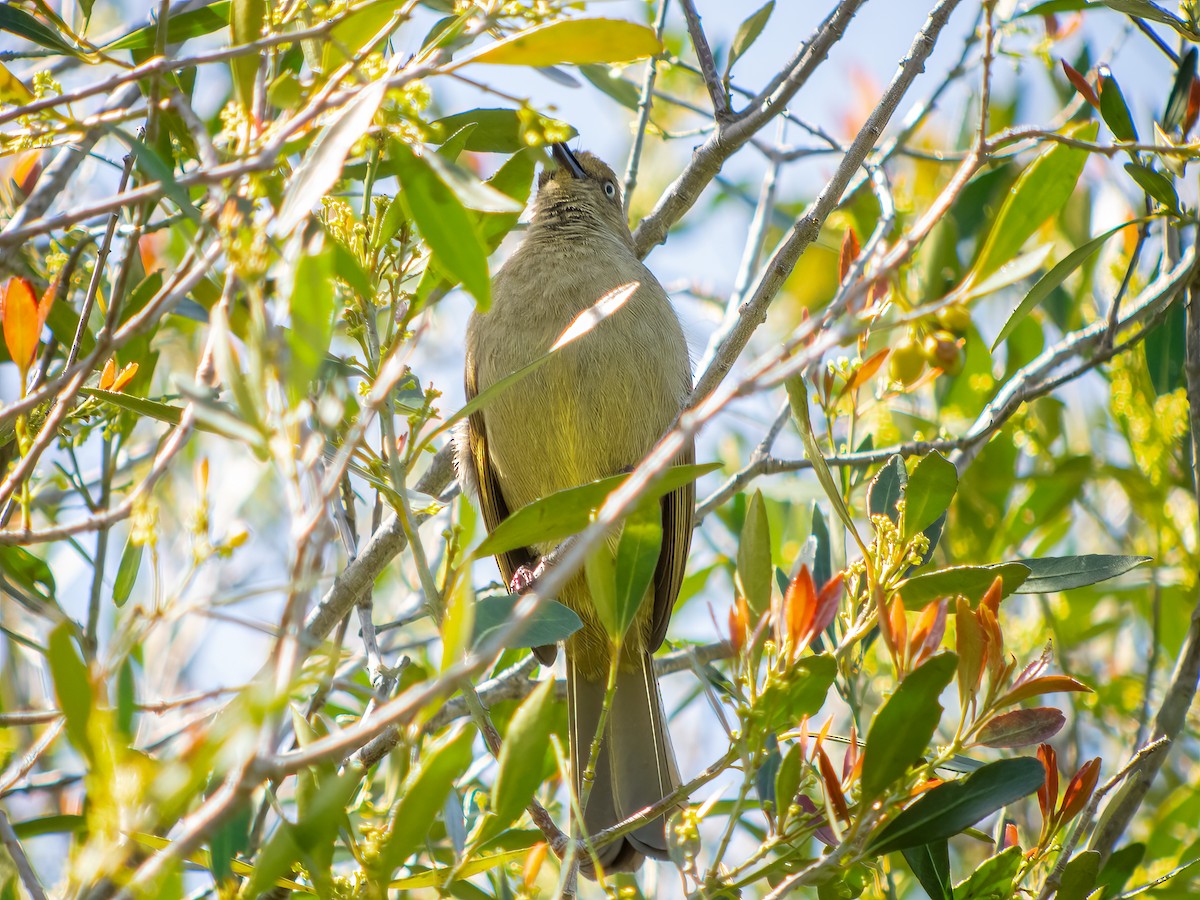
{"x": 571, "y": 41}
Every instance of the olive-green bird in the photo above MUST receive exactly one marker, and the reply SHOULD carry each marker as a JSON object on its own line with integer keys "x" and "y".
{"x": 594, "y": 410}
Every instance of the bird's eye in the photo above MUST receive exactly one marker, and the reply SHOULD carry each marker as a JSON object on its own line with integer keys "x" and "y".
{"x": 610, "y": 189}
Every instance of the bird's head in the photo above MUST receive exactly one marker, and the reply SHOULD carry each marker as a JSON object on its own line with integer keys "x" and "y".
{"x": 581, "y": 194}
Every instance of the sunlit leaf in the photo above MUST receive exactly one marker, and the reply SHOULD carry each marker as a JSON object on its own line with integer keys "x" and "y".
{"x": 930, "y": 488}
{"x": 1049, "y": 574}
{"x": 747, "y": 33}
{"x": 578, "y": 41}
{"x": 970, "y": 581}
{"x": 754, "y": 556}
{"x": 522, "y": 756}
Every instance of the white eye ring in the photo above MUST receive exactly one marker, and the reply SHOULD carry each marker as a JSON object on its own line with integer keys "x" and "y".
{"x": 610, "y": 189}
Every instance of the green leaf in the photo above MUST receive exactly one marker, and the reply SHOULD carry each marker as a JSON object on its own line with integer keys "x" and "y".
{"x": 1165, "y": 349}
{"x": 1113, "y": 108}
{"x": 29, "y": 572}
{"x": 637, "y": 558}
{"x": 902, "y": 728}
{"x": 522, "y": 756}
{"x": 797, "y": 392}
{"x": 947, "y": 809}
{"x": 126, "y": 698}
{"x": 423, "y": 795}
{"x": 470, "y": 191}
{"x": 886, "y": 489}
{"x": 1144, "y": 9}
{"x": 1012, "y": 272}
{"x": 495, "y": 131}
{"x": 1041, "y": 190}
{"x": 355, "y": 32}
{"x": 553, "y": 622}
{"x": 458, "y": 626}
{"x": 787, "y": 783}
{"x": 1079, "y": 876}
{"x": 443, "y": 222}
{"x": 16, "y": 21}
{"x": 993, "y": 878}
{"x": 823, "y": 563}
{"x": 454, "y": 145}
{"x": 610, "y": 82}
{"x": 1049, "y": 574}
{"x": 747, "y": 33}
{"x": 754, "y": 556}
{"x": 322, "y": 166}
{"x": 785, "y": 701}
{"x": 1021, "y": 727}
{"x": 931, "y": 864}
{"x": 127, "y": 571}
{"x": 246, "y": 19}
{"x": 1177, "y": 102}
{"x": 155, "y": 168}
{"x": 578, "y": 41}
{"x": 569, "y": 511}
{"x": 72, "y": 686}
{"x": 193, "y": 23}
{"x": 1156, "y": 184}
{"x": 600, "y": 571}
{"x": 1052, "y": 279}
{"x": 970, "y": 581}
{"x": 930, "y": 489}
{"x": 311, "y": 308}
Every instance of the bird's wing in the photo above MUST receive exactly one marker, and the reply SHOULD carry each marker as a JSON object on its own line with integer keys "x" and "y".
{"x": 491, "y": 498}
{"x": 677, "y": 509}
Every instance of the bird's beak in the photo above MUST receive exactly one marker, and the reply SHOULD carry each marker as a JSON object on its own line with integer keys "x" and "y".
{"x": 566, "y": 159}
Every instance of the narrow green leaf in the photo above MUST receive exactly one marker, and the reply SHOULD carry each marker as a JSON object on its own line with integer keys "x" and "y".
{"x": 1049, "y": 574}
{"x": 1113, "y": 108}
{"x": 902, "y": 728}
{"x": 311, "y": 308}
{"x": 458, "y": 626}
{"x": 787, "y": 783}
{"x": 1177, "y": 102}
{"x": 931, "y": 864}
{"x": 610, "y": 82}
{"x": 747, "y": 33}
{"x": 1056, "y": 276}
{"x": 1144, "y": 9}
{"x": 600, "y": 570}
{"x": 823, "y": 564}
{"x": 1156, "y": 184}
{"x": 1012, "y": 272}
{"x": 454, "y": 145}
{"x": 72, "y": 686}
{"x": 637, "y": 558}
{"x": 126, "y": 697}
{"x": 578, "y": 41}
{"x": 443, "y": 222}
{"x": 568, "y": 512}
{"x": 422, "y": 796}
{"x": 16, "y": 21}
{"x": 193, "y": 23}
{"x": 127, "y": 571}
{"x": 797, "y": 392}
{"x": 470, "y": 191}
{"x": 522, "y": 756}
{"x": 553, "y": 623}
{"x": 947, "y": 809}
{"x": 495, "y": 131}
{"x": 970, "y": 581}
{"x": 155, "y": 168}
{"x": 754, "y": 556}
{"x": 886, "y": 489}
{"x": 930, "y": 489}
{"x": 356, "y": 31}
{"x": 322, "y": 166}
{"x": 1042, "y": 189}
{"x": 246, "y": 18}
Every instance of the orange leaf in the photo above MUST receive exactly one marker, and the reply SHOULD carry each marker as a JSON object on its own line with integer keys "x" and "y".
{"x": 866, "y": 371}
{"x": 928, "y": 633}
{"x": 833, "y": 788}
{"x": 109, "y": 375}
{"x": 799, "y": 608}
{"x": 1010, "y": 836}
{"x": 1079, "y": 791}
{"x": 828, "y": 601}
{"x": 533, "y": 863}
{"x": 1048, "y": 792}
{"x": 19, "y": 312}
{"x": 848, "y": 254}
{"x": 1081, "y": 84}
{"x": 125, "y": 377}
{"x": 968, "y": 644}
{"x": 1047, "y": 684}
{"x": 739, "y": 624}
{"x": 1193, "y": 106}
{"x": 993, "y": 595}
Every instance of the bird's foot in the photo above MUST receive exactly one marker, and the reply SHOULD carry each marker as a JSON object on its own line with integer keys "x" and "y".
{"x": 523, "y": 579}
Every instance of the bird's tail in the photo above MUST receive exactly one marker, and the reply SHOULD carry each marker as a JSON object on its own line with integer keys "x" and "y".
{"x": 636, "y": 766}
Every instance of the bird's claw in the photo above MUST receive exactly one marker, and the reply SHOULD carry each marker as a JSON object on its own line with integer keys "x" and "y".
{"x": 524, "y": 577}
